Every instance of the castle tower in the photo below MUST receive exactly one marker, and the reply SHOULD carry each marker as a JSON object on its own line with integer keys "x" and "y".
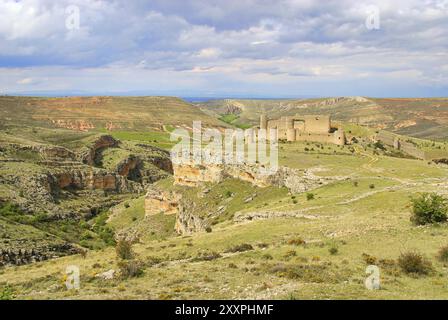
{"x": 289, "y": 123}
{"x": 397, "y": 144}
{"x": 339, "y": 137}
{"x": 263, "y": 122}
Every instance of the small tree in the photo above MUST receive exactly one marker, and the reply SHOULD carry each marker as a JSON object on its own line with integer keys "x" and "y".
{"x": 124, "y": 249}
{"x": 429, "y": 208}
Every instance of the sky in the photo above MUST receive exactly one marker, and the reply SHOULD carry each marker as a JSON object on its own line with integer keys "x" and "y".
{"x": 224, "y": 48}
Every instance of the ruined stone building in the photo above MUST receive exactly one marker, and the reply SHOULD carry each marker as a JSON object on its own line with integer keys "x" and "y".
{"x": 315, "y": 128}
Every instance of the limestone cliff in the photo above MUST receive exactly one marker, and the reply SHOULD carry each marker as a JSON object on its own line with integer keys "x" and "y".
{"x": 88, "y": 154}
{"x": 168, "y": 202}
{"x": 295, "y": 180}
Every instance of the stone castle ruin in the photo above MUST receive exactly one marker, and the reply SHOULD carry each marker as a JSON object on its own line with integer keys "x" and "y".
{"x": 316, "y": 128}
{"x": 400, "y": 144}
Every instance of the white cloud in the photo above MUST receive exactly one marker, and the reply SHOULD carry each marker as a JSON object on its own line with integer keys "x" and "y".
{"x": 240, "y": 41}
{"x": 25, "y": 81}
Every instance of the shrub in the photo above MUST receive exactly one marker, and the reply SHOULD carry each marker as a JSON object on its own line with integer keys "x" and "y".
{"x": 208, "y": 229}
{"x": 372, "y": 186}
{"x": 296, "y": 241}
{"x": 124, "y": 249}
{"x": 379, "y": 145}
{"x": 429, "y": 208}
{"x": 267, "y": 256}
{"x": 290, "y": 253}
{"x": 228, "y": 194}
{"x": 206, "y": 256}
{"x": 6, "y": 293}
{"x": 240, "y": 248}
{"x": 309, "y": 196}
{"x": 130, "y": 268}
{"x": 333, "y": 250}
{"x": 369, "y": 259}
{"x": 355, "y": 183}
{"x": 414, "y": 263}
{"x": 443, "y": 254}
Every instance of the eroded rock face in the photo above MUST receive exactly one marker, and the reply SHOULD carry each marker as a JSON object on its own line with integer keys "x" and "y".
{"x": 169, "y": 202}
{"x": 295, "y": 180}
{"x": 193, "y": 175}
{"x": 40, "y": 192}
{"x": 89, "y": 155}
{"x": 130, "y": 168}
{"x": 54, "y": 152}
{"x": 20, "y": 257}
{"x": 188, "y": 223}
{"x": 158, "y": 201}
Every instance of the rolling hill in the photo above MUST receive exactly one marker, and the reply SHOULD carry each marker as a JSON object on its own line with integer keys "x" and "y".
{"x": 422, "y": 118}
{"x": 101, "y": 113}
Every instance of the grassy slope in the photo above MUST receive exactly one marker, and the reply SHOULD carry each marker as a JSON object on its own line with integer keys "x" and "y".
{"x": 138, "y": 113}
{"x": 355, "y": 219}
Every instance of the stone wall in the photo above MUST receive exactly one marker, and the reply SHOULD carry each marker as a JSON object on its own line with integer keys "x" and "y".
{"x": 396, "y": 142}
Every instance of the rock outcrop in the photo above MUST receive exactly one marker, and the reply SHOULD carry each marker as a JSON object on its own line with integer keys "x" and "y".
{"x": 187, "y": 222}
{"x": 158, "y": 201}
{"x": 169, "y": 202}
{"x": 23, "y": 256}
{"x": 130, "y": 168}
{"x": 92, "y": 180}
{"x": 89, "y": 154}
{"x": 41, "y": 191}
{"x": 295, "y": 180}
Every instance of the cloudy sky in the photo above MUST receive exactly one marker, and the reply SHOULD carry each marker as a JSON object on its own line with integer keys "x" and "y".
{"x": 246, "y": 48}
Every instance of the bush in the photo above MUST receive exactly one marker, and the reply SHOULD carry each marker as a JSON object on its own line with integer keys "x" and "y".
{"x": 414, "y": 263}
{"x": 130, "y": 268}
{"x": 309, "y": 196}
{"x": 290, "y": 253}
{"x": 206, "y": 256}
{"x": 333, "y": 250}
{"x": 296, "y": 241}
{"x": 240, "y": 248}
{"x": 429, "y": 208}
{"x": 6, "y": 293}
{"x": 372, "y": 186}
{"x": 124, "y": 249}
{"x": 443, "y": 254}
